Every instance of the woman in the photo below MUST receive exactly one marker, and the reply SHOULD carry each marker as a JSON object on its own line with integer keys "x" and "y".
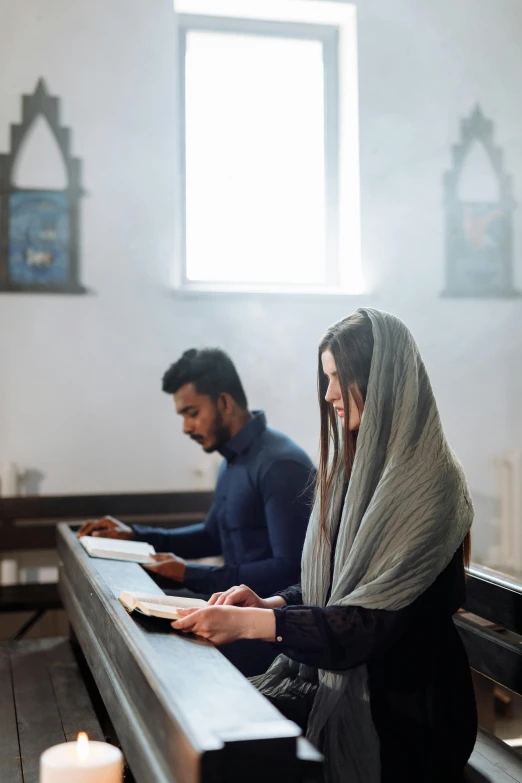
{"x": 372, "y": 663}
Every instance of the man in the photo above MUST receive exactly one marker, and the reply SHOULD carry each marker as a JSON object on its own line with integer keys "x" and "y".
{"x": 263, "y": 494}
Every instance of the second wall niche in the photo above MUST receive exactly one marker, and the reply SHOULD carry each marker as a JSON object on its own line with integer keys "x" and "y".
{"x": 479, "y": 207}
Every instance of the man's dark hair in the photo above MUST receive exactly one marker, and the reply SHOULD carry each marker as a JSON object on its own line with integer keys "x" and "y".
{"x": 210, "y": 370}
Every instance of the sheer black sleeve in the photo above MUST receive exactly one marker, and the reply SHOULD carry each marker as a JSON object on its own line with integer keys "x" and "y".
{"x": 341, "y": 637}
{"x": 336, "y": 637}
{"x": 292, "y": 595}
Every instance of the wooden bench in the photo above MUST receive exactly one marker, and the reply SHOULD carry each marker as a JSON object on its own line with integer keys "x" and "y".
{"x": 43, "y": 702}
{"x": 181, "y": 711}
{"x": 29, "y": 523}
{"x": 495, "y": 652}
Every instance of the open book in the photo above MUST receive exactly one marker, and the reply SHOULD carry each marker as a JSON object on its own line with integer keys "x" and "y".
{"x": 117, "y": 549}
{"x": 158, "y": 605}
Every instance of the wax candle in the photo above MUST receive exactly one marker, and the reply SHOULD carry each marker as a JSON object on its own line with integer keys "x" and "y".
{"x": 81, "y": 762}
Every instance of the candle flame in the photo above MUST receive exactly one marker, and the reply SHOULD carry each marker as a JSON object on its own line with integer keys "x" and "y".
{"x": 82, "y": 746}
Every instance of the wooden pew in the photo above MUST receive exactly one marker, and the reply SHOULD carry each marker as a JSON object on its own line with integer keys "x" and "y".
{"x": 29, "y": 523}
{"x": 497, "y": 654}
{"x": 181, "y": 711}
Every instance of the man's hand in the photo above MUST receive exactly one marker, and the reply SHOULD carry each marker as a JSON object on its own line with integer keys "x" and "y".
{"x": 168, "y": 565}
{"x": 225, "y": 624}
{"x": 106, "y": 527}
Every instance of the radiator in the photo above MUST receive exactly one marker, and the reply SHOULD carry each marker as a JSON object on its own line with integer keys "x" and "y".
{"x": 508, "y": 467}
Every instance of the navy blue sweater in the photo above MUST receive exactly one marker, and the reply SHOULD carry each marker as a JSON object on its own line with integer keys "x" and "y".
{"x": 258, "y": 520}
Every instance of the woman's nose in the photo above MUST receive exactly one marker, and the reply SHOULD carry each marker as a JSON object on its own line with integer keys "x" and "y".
{"x": 329, "y": 396}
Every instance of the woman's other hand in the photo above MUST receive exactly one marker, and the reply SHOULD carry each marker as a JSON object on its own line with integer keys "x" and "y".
{"x": 225, "y": 624}
{"x": 241, "y": 595}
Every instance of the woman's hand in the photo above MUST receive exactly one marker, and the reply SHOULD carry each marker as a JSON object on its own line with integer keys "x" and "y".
{"x": 241, "y": 595}
{"x": 225, "y": 624}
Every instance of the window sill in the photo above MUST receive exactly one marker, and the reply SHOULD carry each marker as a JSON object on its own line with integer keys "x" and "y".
{"x": 289, "y": 294}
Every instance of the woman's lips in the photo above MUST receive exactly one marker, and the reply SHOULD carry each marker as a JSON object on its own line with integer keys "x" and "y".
{"x": 340, "y": 411}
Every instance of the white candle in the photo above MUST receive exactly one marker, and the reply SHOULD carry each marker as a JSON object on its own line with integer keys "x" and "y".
{"x": 81, "y": 762}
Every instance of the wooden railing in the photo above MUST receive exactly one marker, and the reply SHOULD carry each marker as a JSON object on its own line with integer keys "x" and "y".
{"x": 494, "y": 650}
{"x": 28, "y": 523}
{"x": 181, "y": 711}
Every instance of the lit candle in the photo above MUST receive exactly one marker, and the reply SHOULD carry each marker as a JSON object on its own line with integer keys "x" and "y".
{"x": 81, "y": 762}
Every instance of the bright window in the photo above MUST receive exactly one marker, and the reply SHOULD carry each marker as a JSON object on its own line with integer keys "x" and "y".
{"x": 261, "y": 158}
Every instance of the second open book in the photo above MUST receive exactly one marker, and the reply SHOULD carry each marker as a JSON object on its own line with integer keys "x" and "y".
{"x": 155, "y": 605}
{"x": 117, "y": 549}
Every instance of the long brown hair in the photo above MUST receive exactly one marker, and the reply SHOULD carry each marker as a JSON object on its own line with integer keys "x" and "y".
{"x": 350, "y": 342}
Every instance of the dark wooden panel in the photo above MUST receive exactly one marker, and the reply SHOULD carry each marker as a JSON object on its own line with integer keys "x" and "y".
{"x": 182, "y": 712}
{"x": 17, "y": 532}
{"x": 13, "y": 539}
{"x": 39, "y": 723}
{"x": 82, "y": 506}
{"x": 495, "y": 597}
{"x": 496, "y": 654}
{"x": 23, "y": 598}
{"x": 10, "y": 762}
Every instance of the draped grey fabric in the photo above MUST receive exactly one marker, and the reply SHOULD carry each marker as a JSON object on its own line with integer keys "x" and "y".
{"x": 406, "y": 512}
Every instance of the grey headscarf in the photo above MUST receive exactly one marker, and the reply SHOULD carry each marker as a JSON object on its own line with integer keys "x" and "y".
{"x": 406, "y": 512}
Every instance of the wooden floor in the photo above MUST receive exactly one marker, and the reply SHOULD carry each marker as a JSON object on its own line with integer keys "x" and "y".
{"x": 43, "y": 701}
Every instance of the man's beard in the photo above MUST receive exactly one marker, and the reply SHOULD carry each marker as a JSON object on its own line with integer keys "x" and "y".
{"x": 219, "y": 434}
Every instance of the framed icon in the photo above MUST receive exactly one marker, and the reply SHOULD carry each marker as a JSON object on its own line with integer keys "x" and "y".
{"x": 39, "y": 228}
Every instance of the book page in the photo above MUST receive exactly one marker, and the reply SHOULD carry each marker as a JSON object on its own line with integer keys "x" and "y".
{"x": 127, "y": 557}
{"x": 115, "y": 549}
{"x": 117, "y": 545}
{"x": 129, "y": 599}
{"x": 156, "y": 610}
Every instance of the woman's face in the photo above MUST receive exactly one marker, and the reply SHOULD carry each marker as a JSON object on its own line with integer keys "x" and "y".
{"x": 333, "y": 393}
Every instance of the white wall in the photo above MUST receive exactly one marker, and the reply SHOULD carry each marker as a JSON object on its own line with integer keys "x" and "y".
{"x": 422, "y": 65}
{"x": 80, "y": 395}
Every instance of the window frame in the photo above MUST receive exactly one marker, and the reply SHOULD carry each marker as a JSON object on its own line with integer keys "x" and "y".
{"x": 328, "y": 34}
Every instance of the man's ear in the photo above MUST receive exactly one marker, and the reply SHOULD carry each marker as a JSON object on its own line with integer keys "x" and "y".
{"x": 224, "y": 403}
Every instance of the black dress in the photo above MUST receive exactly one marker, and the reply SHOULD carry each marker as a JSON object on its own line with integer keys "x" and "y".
{"x": 421, "y": 692}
